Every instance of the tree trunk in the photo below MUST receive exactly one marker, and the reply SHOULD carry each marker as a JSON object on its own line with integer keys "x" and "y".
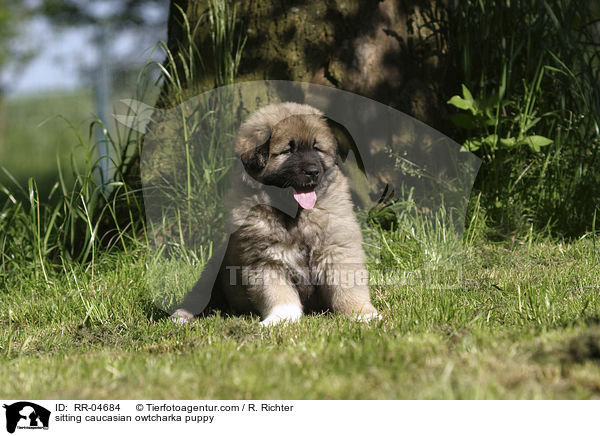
{"x": 390, "y": 51}
{"x": 393, "y": 52}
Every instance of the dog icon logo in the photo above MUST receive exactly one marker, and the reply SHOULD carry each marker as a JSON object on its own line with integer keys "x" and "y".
{"x": 26, "y": 415}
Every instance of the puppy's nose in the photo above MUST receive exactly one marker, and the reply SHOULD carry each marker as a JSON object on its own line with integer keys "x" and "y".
{"x": 311, "y": 171}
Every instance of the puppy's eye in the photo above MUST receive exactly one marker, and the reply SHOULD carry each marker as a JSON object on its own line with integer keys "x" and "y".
{"x": 289, "y": 149}
{"x": 316, "y": 148}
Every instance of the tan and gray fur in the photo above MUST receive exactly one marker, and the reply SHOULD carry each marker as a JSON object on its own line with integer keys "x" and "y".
{"x": 307, "y": 259}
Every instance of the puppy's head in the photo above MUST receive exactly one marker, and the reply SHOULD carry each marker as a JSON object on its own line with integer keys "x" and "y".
{"x": 288, "y": 145}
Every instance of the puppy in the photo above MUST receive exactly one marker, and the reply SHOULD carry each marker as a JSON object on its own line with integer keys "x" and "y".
{"x": 295, "y": 244}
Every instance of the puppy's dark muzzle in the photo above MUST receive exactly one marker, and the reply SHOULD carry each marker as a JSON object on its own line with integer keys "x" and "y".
{"x": 310, "y": 177}
{"x": 311, "y": 172}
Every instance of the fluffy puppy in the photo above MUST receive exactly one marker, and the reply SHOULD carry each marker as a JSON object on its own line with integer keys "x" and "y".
{"x": 295, "y": 244}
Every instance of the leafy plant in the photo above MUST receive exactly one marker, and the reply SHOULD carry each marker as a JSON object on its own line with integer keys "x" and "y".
{"x": 530, "y": 108}
{"x": 488, "y": 115}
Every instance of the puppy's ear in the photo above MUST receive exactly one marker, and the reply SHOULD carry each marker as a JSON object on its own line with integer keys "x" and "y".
{"x": 345, "y": 143}
{"x": 253, "y": 149}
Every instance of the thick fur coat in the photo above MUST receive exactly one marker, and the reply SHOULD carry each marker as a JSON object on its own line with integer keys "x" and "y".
{"x": 295, "y": 243}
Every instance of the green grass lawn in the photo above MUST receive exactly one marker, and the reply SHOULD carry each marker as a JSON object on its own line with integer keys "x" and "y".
{"x": 523, "y": 323}
{"x": 36, "y": 131}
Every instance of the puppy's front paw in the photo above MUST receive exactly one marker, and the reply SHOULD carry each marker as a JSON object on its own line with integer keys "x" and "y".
{"x": 367, "y": 317}
{"x": 282, "y": 313}
{"x": 367, "y": 313}
{"x": 181, "y": 316}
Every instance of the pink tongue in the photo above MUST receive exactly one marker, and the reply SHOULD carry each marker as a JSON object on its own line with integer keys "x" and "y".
{"x": 306, "y": 199}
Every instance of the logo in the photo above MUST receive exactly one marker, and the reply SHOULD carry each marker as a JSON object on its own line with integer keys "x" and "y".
{"x": 26, "y": 415}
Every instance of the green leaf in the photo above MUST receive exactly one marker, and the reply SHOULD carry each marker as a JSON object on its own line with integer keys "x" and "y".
{"x": 460, "y": 103}
{"x": 508, "y": 142}
{"x": 491, "y": 140}
{"x": 536, "y": 141}
{"x": 471, "y": 145}
{"x": 467, "y": 94}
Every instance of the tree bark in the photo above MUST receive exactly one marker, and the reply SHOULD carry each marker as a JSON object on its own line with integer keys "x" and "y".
{"x": 391, "y": 51}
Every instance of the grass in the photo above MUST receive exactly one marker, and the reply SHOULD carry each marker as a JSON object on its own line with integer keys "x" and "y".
{"x": 524, "y": 323}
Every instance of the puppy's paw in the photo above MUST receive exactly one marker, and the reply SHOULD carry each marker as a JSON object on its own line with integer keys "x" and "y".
{"x": 282, "y": 313}
{"x": 366, "y": 313}
{"x": 181, "y": 316}
{"x": 367, "y": 317}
